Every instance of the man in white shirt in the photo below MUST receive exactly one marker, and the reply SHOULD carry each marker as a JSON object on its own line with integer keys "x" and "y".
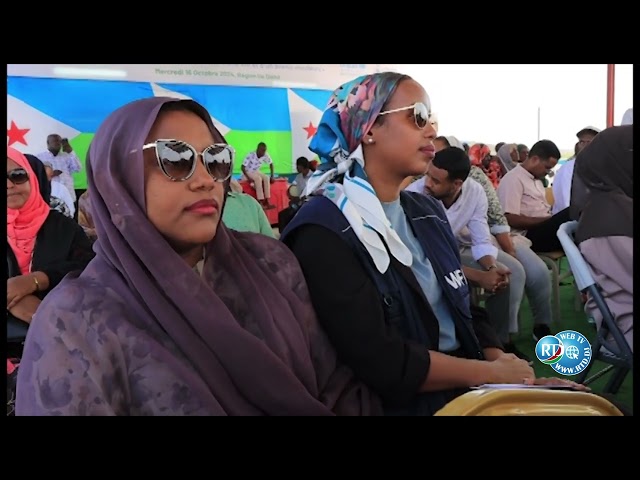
{"x": 563, "y": 177}
{"x": 251, "y": 169}
{"x": 63, "y": 160}
{"x": 465, "y": 204}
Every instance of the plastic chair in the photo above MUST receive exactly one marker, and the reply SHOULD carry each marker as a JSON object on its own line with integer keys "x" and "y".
{"x": 528, "y": 402}
{"x": 617, "y": 353}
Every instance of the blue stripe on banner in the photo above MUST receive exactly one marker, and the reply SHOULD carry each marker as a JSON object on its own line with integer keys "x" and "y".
{"x": 81, "y": 104}
{"x": 84, "y": 104}
{"x": 242, "y": 108}
{"x": 317, "y": 98}
{"x": 343, "y": 203}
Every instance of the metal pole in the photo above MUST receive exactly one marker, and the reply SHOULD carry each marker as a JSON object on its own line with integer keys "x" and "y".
{"x": 538, "y": 123}
{"x": 611, "y": 86}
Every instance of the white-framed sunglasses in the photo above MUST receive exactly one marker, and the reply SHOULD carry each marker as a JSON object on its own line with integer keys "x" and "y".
{"x": 178, "y": 159}
{"x": 421, "y": 113}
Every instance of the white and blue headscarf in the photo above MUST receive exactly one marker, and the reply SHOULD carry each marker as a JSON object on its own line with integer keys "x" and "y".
{"x": 350, "y": 114}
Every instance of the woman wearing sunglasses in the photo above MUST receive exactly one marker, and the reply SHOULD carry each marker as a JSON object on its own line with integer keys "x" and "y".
{"x": 382, "y": 265}
{"x": 178, "y": 315}
{"x": 43, "y": 245}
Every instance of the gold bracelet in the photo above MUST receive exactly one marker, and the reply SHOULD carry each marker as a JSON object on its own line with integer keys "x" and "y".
{"x": 36, "y": 282}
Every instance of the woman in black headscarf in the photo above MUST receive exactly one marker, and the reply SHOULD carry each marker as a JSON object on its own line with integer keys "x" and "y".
{"x": 602, "y": 201}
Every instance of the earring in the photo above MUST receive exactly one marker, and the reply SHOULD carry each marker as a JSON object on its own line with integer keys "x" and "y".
{"x": 370, "y": 140}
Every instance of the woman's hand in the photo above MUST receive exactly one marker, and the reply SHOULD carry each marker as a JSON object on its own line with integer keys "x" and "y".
{"x": 558, "y": 381}
{"x": 25, "y": 308}
{"x": 18, "y": 288}
{"x": 508, "y": 368}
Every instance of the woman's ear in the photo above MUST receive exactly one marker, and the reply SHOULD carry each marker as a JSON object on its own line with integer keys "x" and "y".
{"x": 369, "y": 138}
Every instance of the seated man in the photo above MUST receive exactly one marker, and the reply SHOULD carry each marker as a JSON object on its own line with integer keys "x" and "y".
{"x": 523, "y": 152}
{"x": 522, "y": 195}
{"x": 304, "y": 173}
{"x": 295, "y": 202}
{"x": 564, "y": 175}
{"x": 537, "y": 281}
{"x": 465, "y": 205}
{"x": 602, "y": 201}
{"x": 251, "y": 169}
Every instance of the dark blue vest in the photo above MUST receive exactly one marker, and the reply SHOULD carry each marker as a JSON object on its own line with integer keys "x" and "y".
{"x": 430, "y": 226}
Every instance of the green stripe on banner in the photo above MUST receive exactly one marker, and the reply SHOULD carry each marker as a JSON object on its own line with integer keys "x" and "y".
{"x": 80, "y": 145}
{"x": 278, "y": 147}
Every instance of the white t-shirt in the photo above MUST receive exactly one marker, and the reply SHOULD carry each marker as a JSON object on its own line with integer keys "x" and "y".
{"x": 58, "y": 190}
{"x": 301, "y": 181}
{"x": 562, "y": 187}
{"x": 252, "y": 163}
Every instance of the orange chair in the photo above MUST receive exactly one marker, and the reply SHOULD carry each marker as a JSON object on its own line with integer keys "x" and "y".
{"x": 528, "y": 402}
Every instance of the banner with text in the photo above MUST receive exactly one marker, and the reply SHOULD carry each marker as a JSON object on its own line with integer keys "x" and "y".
{"x": 278, "y": 75}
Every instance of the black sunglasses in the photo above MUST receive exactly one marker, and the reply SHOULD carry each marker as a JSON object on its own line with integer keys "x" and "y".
{"x": 177, "y": 159}
{"x": 18, "y": 176}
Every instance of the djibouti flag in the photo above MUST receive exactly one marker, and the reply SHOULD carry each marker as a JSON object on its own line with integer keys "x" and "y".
{"x": 284, "y": 119}
{"x": 305, "y": 111}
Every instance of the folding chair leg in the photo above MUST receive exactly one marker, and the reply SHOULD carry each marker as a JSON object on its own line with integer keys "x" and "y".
{"x": 616, "y": 380}
{"x": 596, "y": 376}
{"x": 582, "y": 377}
{"x": 555, "y": 289}
{"x": 577, "y": 299}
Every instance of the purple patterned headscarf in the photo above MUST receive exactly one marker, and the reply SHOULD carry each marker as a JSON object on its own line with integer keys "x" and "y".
{"x": 246, "y": 327}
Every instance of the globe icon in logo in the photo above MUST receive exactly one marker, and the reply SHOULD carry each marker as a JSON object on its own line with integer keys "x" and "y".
{"x": 550, "y": 350}
{"x": 572, "y": 352}
{"x": 567, "y": 352}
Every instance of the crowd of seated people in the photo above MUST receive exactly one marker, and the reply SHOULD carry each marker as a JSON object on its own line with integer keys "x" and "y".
{"x": 363, "y": 307}
{"x": 596, "y": 180}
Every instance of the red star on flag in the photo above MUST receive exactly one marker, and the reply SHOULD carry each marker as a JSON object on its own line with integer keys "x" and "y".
{"x": 16, "y": 134}
{"x": 311, "y": 130}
